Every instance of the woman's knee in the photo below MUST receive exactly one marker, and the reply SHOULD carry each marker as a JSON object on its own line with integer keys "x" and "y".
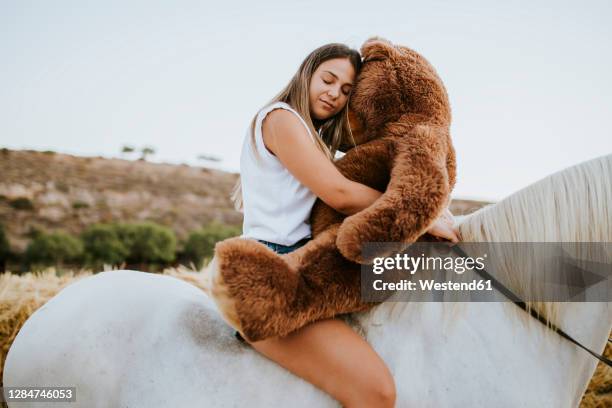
{"x": 371, "y": 386}
{"x": 380, "y": 392}
{"x": 386, "y": 392}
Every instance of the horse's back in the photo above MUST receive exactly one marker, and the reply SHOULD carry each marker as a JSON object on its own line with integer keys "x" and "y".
{"x": 90, "y": 331}
{"x": 128, "y": 338}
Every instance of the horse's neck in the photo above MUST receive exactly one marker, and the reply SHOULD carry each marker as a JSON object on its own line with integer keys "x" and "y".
{"x": 486, "y": 343}
{"x": 590, "y": 324}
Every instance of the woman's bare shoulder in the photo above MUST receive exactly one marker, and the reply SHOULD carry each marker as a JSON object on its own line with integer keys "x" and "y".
{"x": 283, "y": 121}
{"x": 282, "y": 117}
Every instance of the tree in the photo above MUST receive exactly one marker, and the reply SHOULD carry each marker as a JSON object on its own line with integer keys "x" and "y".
{"x": 145, "y": 151}
{"x": 207, "y": 157}
{"x": 126, "y": 149}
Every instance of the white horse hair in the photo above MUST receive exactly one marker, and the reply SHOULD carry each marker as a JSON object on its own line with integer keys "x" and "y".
{"x": 127, "y": 338}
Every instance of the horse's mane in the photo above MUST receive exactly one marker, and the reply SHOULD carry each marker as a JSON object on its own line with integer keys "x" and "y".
{"x": 572, "y": 205}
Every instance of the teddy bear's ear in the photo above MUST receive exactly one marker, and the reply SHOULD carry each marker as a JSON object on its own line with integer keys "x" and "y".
{"x": 376, "y": 49}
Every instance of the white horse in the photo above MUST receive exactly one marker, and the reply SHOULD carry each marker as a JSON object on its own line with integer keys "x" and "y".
{"x": 134, "y": 339}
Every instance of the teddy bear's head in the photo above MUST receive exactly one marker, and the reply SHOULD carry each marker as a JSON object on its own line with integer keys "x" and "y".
{"x": 395, "y": 83}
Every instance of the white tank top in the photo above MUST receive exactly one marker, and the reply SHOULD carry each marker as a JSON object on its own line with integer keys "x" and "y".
{"x": 276, "y": 205}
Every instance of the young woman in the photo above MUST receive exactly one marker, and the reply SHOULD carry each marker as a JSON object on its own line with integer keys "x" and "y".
{"x": 286, "y": 163}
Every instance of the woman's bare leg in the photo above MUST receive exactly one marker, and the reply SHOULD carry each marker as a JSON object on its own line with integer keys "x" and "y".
{"x": 331, "y": 356}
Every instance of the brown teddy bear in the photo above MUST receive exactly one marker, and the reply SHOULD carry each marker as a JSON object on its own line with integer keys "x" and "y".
{"x": 400, "y": 117}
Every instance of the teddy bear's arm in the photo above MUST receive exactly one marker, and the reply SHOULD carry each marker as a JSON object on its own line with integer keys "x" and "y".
{"x": 418, "y": 191}
{"x": 367, "y": 164}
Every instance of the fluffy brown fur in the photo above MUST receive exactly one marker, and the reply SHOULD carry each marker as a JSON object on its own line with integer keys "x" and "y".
{"x": 400, "y": 116}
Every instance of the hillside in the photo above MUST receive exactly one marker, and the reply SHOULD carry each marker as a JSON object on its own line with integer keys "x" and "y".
{"x": 50, "y": 191}
{"x": 69, "y": 192}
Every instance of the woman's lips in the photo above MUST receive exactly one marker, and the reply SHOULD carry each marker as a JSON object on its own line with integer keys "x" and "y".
{"x": 327, "y": 105}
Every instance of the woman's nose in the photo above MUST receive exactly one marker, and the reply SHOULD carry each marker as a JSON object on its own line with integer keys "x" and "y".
{"x": 333, "y": 93}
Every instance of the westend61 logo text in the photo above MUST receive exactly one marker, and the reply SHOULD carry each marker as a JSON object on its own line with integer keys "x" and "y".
{"x": 405, "y": 262}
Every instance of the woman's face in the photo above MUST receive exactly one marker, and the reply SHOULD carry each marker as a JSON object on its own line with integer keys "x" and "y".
{"x": 330, "y": 86}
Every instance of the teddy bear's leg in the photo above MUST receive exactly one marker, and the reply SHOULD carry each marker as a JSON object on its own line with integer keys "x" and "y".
{"x": 417, "y": 193}
{"x": 218, "y": 291}
{"x": 252, "y": 286}
{"x": 330, "y": 285}
{"x": 263, "y": 294}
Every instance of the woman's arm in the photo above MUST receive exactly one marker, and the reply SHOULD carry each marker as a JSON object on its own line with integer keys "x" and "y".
{"x": 287, "y": 138}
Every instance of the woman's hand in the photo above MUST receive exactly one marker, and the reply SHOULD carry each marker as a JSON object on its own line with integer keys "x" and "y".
{"x": 443, "y": 227}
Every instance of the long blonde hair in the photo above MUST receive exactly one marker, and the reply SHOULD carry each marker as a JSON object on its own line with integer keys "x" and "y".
{"x": 296, "y": 94}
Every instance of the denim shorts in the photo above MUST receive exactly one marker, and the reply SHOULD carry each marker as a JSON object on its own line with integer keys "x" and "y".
{"x": 279, "y": 249}
{"x": 284, "y": 249}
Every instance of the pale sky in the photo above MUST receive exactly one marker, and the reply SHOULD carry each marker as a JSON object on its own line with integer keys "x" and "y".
{"x": 529, "y": 82}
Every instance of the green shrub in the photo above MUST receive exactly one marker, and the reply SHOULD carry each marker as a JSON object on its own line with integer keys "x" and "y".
{"x": 201, "y": 243}
{"x": 102, "y": 245}
{"x": 79, "y": 204}
{"x": 21, "y": 203}
{"x": 147, "y": 242}
{"x": 53, "y": 249}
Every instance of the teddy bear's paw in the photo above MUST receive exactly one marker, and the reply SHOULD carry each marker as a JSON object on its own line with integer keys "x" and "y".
{"x": 373, "y": 225}
{"x": 351, "y": 237}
